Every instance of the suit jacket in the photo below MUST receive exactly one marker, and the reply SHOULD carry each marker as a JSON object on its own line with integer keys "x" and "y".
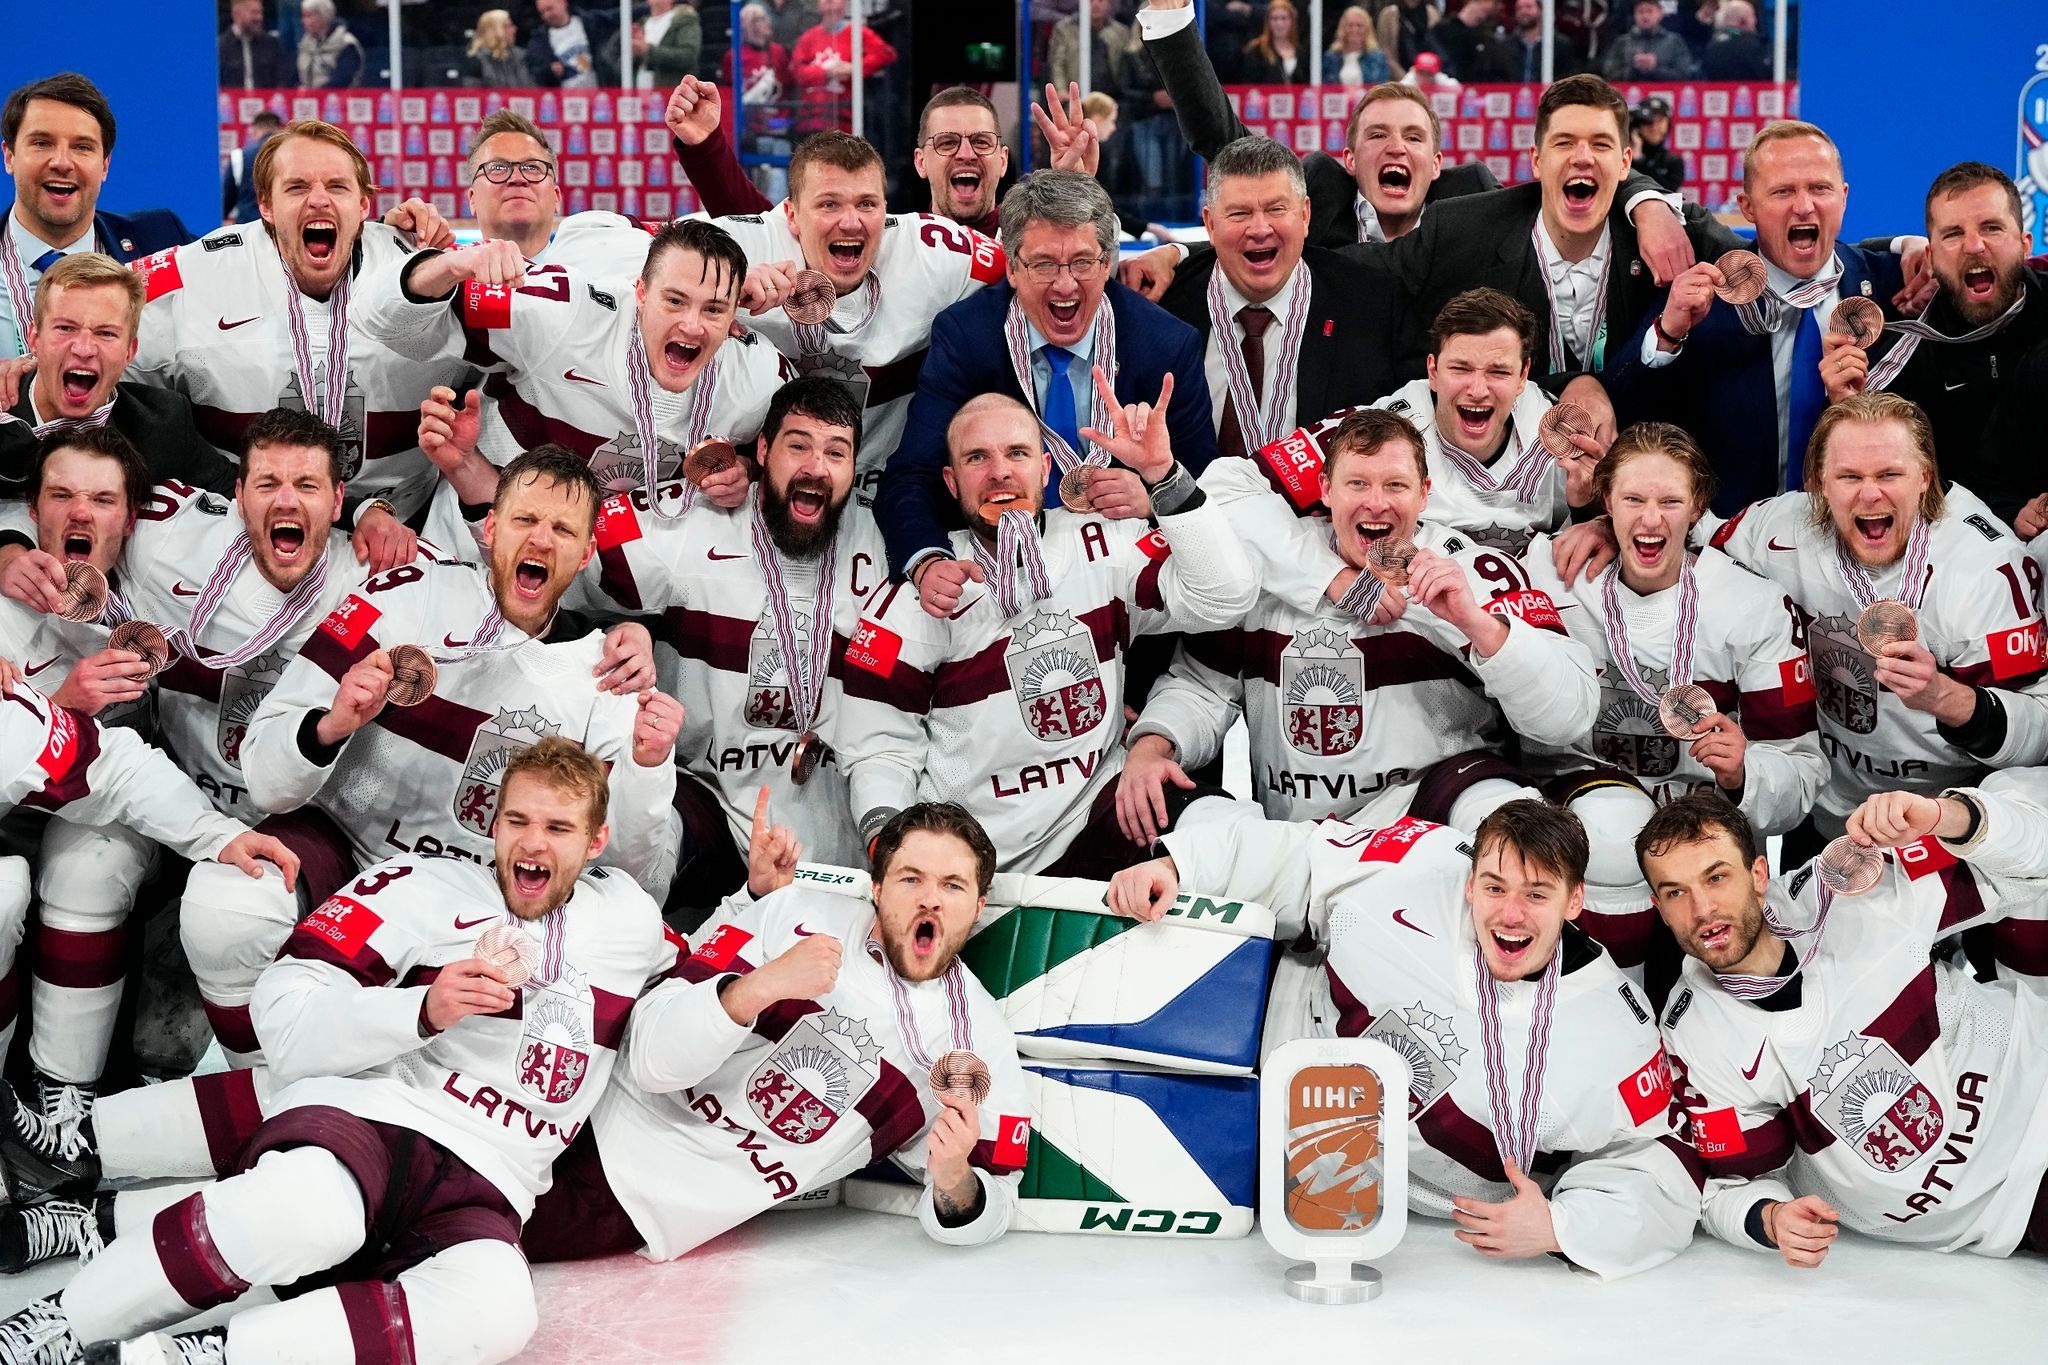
{"x": 1722, "y": 387}
{"x": 1486, "y": 240}
{"x": 1209, "y": 124}
{"x": 157, "y": 421}
{"x": 1347, "y": 348}
{"x": 130, "y": 236}
{"x": 969, "y": 356}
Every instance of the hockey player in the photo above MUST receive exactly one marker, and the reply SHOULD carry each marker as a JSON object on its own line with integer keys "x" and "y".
{"x": 1464, "y": 960}
{"x": 1012, "y": 705}
{"x": 1391, "y": 703}
{"x": 382, "y": 779}
{"x": 581, "y": 365}
{"x": 893, "y": 275}
{"x": 293, "y": 281}
{"x": 1874, "y": 523}
{"x": 1662, "y": 618}
{"x": 714, "y": 1119}
{"x": 1833, "y": 1074}
{"x": 755, "y": 608}
{"x": 427, "y": 1090}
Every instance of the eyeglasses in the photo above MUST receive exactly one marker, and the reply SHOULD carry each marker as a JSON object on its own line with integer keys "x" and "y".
{"x": 1081, "y": 268}
{"x": 945, "y": 144}
{"x": 501, "y": 172}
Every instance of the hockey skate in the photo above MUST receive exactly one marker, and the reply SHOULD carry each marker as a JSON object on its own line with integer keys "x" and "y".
{"x": 163, "y": 1348}
{"x": 39, "y": 1334}
{"x": 33, "y": 1233}
{"x": 52, "y": 1155}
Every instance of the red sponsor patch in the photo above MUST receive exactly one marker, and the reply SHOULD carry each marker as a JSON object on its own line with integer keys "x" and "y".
{"x": 486, "y": 305}
{"x": 617, "y": 522}
{"x": 874, "y": 647}
{"x": 60, "y": 744}
{"x": 1727, "y": 531}
{"x": 351, "y": 621}
{"x": 1922, "y": 856}
{"x": 1390, "y": 843}
{"x": 676, "y": 941}
{"x": 1154, "y": 546}
{"x": 990, "y": 265}
{"x": 1647, "y": 1090}
{"x": 720, "y": 950}
{"x": 1532, "y": 605}
{"x": 1795, "y": 681}
{"x": 343, "y": 923}
{"x": 160, "y": 274}
{"x": 1296, "y": 463}
{"x": 1717, "y": 1133}
{"x": 2015, "y": 652}
{"x": 1013, "y": 1142}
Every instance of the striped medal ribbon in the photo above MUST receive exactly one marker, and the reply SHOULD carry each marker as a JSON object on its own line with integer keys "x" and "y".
{"x": 1260, "y": 423}
{"x": 1761, "y": 316}
{"x": 1104, "y": 414}
{"x": 1884, "y": 371}
{"x": 640, "y": 389}
{"x": 806, "y": 670}
{"x": 1524, "y": 470}
{"x": 1683, "y": 632}
{"x": 959, "y": 1021}
{"x": 18, "y": 293}
{"x": 1514, "y": 1130}
{"x": 1018, "y": 554}
{"x": 1912, "y": 579}
{"x": 1743, "y": 986}
{"x": 231, "y": 563}
{"x": 330, "y": 404}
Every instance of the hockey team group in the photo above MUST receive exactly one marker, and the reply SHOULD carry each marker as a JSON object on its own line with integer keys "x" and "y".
{"x": 466, "y": 643}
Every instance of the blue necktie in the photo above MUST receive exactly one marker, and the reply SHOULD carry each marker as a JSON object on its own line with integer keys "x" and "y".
{"x": 42, "y": 263}
{"x": 1805, "y": 399}
{"x": 1059, "y": 412}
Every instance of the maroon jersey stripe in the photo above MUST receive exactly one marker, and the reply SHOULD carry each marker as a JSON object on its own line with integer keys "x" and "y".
{"x": 1909, "y": 1023}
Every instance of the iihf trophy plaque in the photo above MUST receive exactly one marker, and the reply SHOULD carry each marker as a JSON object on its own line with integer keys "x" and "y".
{"x": 1333, "y": 1162}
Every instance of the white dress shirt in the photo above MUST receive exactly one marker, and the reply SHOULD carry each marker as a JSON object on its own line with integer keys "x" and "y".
{"x": 1575, "y": 292}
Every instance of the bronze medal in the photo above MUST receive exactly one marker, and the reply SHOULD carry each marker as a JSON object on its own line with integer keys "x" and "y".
{"x": 1559, "y": 424}
{"x": 962, "y": 1073}
{"x": 1859, "y": 319}
{"x": 85, "y": 592}
{"x": 804, "y": 759}
{"x": 1389, "y": 558}
{"x": 144, "y": 638}
{"x": 1885, "y": 622}
{"x": 1074, "y": 490}
{"x": 811, "y": 298}
{"x": 1848, "y": 868}
{"x": 712, "y": 455}
{"x": 1682, "y": 708}
{"x": 511, "y": 950}
{"x": 1743, "y": 278}
{"x": 413, "y": 674}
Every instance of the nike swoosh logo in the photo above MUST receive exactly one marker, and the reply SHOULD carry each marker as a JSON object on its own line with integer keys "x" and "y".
{"x": 715, "y": 555}
{"x": 178, "y": 589}
{"x": 1772, "y": 543}
{"x": 1951, "y": 388}
{"x": 461, "y": 923}
{"x": 227, "y": 326}
{"x": 1401, "y": 918}
{"x": 1749, "y": 1072}
{"x": 34, "y": 669}
{"x": 575, "y": 378}
{"x": 453, "y": 643}
{"x": 803, "y": 932}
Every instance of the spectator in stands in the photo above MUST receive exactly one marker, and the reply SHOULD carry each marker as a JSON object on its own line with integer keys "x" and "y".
{"x": 237, "y": 186}
{"x": 495, "y": 61}
{"x": 666, "y": 44}
{"x": 1428, "y": 74}
{"x": 1526, "y": 41}
{"x": 1474, "y": 46}
{"x": 793, "y": 19}
{"x": 1404, "y": 32}
{"x": 514, "y": 194}
{"x": 822, "y": 66}
{"x": 1694, "y": 24}
{"x": 251, "y": 57}
{"x": 570, "y": 48}
{"x": 1276, "y": 56}
{"x": 1232, "y": 24}
{"x": 1649, "y": 124}
{"x": 764, "y": 63}
{"x": 1111, "y": 46}
{"x": 1649, "y": 51}
{"x": 330, "y": 58}
{"x": 1354, "y": 59}
{"x": 1736, "y": 52}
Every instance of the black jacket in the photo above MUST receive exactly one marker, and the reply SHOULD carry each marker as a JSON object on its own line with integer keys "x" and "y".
{"x": 157, "y": 421}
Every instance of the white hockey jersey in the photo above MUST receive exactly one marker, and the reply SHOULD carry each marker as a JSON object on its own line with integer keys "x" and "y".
{"x": 711, "y": 1122}
{"x": 1623, "y": 1187}
{"x": 339, "y": 1012}
{"x": 204, "y": 713}
{"x": 54, "y": 759}
{"x": 1980, "y": 616}
{"x": 1744, "y": 653}
{"x": 1020, "y": 718}
{"x": 424, "y": 779}
{"x": 1910, "y": 1096}
{"x": 1344, "y": 717}
{"x": 1499, "y": 518}
{"x": 560, "y": 347}
{"x": 215, "y": 329}
{"x": 718, "y": 653}
{"x": 876, "y": 338}
{"x": 47, "y": 647}
{"x": 598, "y": 245}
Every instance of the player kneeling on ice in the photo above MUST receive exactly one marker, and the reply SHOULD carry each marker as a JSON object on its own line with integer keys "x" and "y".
{"x": 1833, "y": 1073}
{"x": 415, "y": 1123}
{"x": 1539, "y": 1096}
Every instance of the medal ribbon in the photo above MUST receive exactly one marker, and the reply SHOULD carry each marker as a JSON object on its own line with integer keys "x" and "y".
{"x": 1017, "y": 548}
{"x": 806, "y": 671}
{"x": 1761, "y": 316}
{"x": 1525, "y": 468}
{"x": 329, "y": 406}
{"x": 958, "y": 1021}
{"x": 1682, "y": 632}
{"x": 92, "y": 421}
{"x": 812, "y": 337}
{"x": 1280, "y": 385}
{"x": 1912, "y": 579}
{"x": 1884, "y": 371}
{"x": 1746, "y": 987}
{"x": 1558, "y": 353}
{"x": 1514, "y": 1131}
{"x": 294, "y": 608}
{"x": 18, "y": 293}
{"x": 484, "y": 639}
{"x": 1105, "y": 355}
{"x": 640, "y": 388}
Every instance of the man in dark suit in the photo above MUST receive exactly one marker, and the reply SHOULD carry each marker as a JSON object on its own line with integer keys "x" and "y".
{"x": 1039, "y": 338}
{"x": 1392, "y": 165}
{"x": 59, "y": 134}
{"x": 1273, "y": 312}
{"x": 1746, "y": 381}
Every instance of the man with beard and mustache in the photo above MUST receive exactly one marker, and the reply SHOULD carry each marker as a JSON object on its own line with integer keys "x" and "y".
{"x": 441, "y": 1028}
{"x": 960, "y": 154}
{"x": 750, "y": 602}
{"x": 1980, "y": 380}
{"x": 1832, "y": 1074}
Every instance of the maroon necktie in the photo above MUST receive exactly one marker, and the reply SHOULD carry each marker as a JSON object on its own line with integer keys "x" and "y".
{"x": 1255, "y": 319}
